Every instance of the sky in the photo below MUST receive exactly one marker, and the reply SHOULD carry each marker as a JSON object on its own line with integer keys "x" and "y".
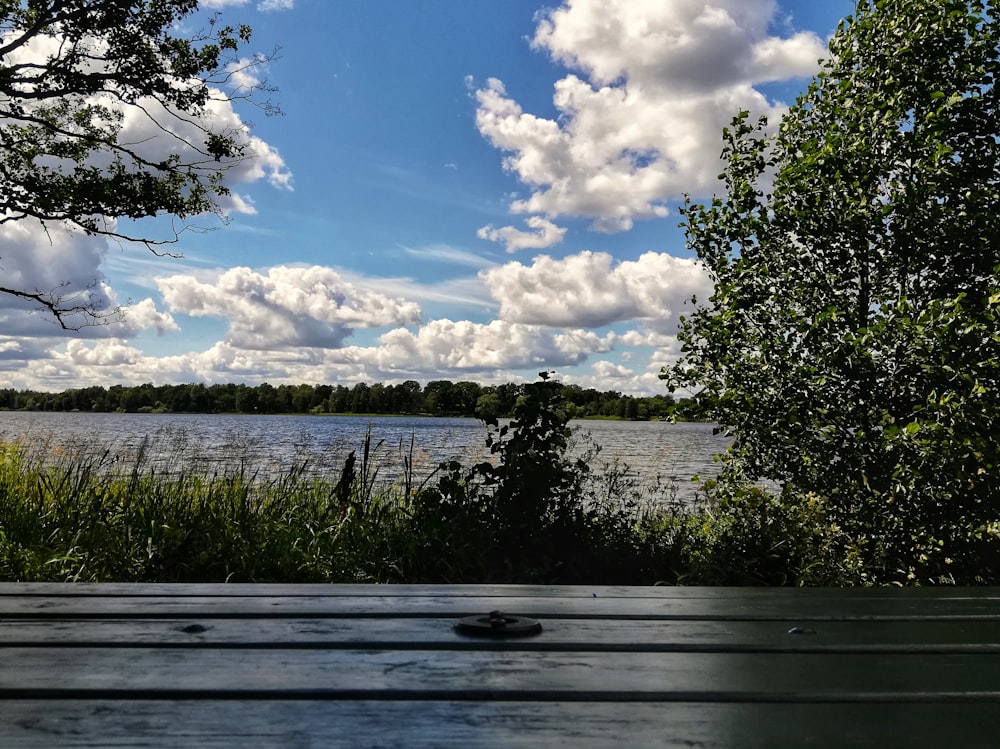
{"x": 456, "y": 189}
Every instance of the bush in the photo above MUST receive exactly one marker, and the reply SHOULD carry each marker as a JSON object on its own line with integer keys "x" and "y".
{"x": 750, "y": 536}
{"x": 529, "y": 514}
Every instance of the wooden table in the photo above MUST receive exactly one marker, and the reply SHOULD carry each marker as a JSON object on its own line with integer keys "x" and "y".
{"x": 366, "y": 666}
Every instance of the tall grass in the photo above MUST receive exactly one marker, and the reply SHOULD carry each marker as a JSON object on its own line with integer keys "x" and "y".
{"x": 100, "y": 516}
{"x": 97, "y": 515}
{"x": 526, "y": 513}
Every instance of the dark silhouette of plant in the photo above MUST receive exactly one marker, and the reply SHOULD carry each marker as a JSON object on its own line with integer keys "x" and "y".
{"x": 526, "y": 514}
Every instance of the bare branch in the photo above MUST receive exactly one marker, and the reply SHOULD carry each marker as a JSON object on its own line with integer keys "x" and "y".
{"x": 62, "y": 307}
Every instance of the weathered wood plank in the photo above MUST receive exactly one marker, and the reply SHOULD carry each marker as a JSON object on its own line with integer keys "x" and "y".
{"x": 112, "y": 665}
{"x": 783, "y": 608}
{"x": 490, "y": 675}
{"x": 479, "y": 591}
{"x": 558, "y": 635}
{"x": 86, "y": 724}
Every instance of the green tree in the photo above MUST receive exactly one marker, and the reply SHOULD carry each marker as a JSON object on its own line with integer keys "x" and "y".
{"x": 360, "y": 394}
{"x": 851, "y": 346}
{"x": 440, "y": 397}
{"x": 411, "y": 397}
{"x": 489, "y": 407}
{"x": 69, "y": 71}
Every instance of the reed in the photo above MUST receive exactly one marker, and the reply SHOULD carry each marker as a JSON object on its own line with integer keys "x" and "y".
{"x": 138, "y": 515}
{"x": 527, "y": 513}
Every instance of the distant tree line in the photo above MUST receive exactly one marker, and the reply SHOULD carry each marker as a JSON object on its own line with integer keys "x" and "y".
{"x": 436, "y": 398}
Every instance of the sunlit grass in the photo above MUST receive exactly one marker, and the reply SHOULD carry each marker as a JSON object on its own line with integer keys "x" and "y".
{"x": 149, "y": 513}
{"x": 71, "y": 515}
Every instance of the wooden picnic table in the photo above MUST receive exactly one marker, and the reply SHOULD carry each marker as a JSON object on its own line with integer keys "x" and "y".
{"x": 385, "y": 666}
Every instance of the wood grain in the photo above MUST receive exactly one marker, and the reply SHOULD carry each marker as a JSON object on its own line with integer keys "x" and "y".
{"x": 374, "y": 666}
{"x": 93, "y": 724}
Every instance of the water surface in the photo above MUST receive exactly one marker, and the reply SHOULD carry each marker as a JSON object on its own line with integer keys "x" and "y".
{"x": 269, "y": 444}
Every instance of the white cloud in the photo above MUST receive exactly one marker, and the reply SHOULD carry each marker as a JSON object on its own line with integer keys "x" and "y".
{"x": 442, "y": 348}
{"x": 607, "y": 375}
{"x": 286, "y": 306}
{"x": 55, "y": 261}
{"x": 65, "y": 265}
{"x": 243, "y": 74}
{"x": 15, "y": 353}
{"x": 647, "y": 337}
{"x": 111, "y": 353}
{"x": 463, "y": 346}
{"x": 263, "y": 5}
{"x": 545, "y": 234}
{"x": 589, "y": 290}
{"x": 157, "y": 134}
{"x": 640, "y": 119}
{"x": 162, "y": 133}
{"x": 609, "y": 372}
{"x": 144, "y": 316}
{"x": 494, "y": 352}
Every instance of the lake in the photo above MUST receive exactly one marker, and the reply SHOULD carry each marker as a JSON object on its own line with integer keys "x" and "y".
{"x": 267, "y": 445}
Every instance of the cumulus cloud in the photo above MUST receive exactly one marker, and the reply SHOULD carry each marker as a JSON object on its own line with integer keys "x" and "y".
{"x": 286, "y": 306}
{"x": 640, "y": 117}
{"x": 144, "y": 316}
{"x": 157, "y": 133}
{"x": 545, "y": 234}
{"x": 464, "y": 347}
{"x": 112, "y": 353}
{"x": 15, "y": 353}
{"x": 647, "y": 337}
{"x": 65, "y": 265}
{"x": 492, "y": 352}
{"x": 39, "y": 260}
{"x": 589, "y": 290}
{"x": 605, "y": 375}
{"x": 441, "y": 348}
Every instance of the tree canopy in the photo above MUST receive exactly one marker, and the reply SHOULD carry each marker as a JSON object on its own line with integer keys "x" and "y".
{"x": 438, "y": 398}
{"x": 75, "y": 76}
{"x": 852, "y": 345}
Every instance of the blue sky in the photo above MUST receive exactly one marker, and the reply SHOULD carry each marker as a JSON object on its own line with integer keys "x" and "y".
{"x": 458, "y": 189}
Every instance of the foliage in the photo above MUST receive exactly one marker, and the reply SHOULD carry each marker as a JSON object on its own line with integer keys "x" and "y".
{"x": 69, "y": 73}
{"x": 529, "y": 513}
{"x": 749, "y": 536}
{"x": 438, "y": 398}
{"x": 104, "y": 516}
{"x": 107, "y": 516}
{"x": 851, "y": 346}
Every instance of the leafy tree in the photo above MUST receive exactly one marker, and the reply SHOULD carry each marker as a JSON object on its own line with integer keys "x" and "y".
{"x": 360, "y": 395}
{"x": 411, "y": 397}
{"x": 69, "y": 73}
{"x": 852, "y": 345}
{"x": 489, "y": 406}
